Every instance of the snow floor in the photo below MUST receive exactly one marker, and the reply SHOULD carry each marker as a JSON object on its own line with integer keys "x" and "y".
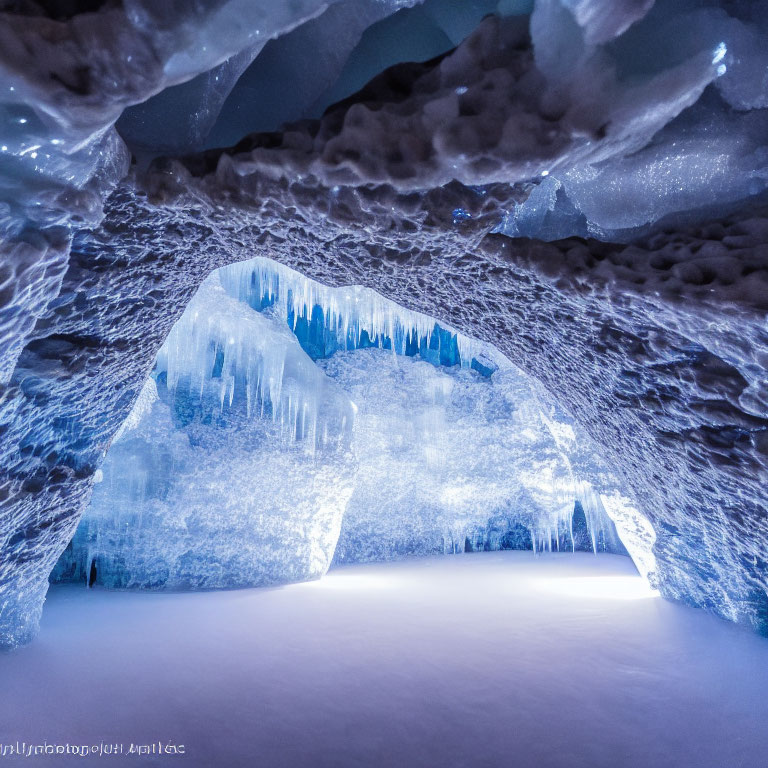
{"x": 488, "y": 659}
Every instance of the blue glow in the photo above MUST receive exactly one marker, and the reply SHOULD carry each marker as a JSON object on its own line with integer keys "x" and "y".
{"x": 719, "y": 53}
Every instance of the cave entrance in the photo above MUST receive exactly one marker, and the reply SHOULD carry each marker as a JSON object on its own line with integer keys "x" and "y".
{"x": 288, "y": 427}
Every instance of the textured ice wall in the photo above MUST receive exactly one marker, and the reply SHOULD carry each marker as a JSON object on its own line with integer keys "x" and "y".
{"x": 658, "y": 348}
{"x": 233, "y": 468}
{"x": 483, "y": 114}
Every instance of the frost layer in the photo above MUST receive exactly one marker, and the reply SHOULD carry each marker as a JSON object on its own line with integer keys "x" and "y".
{"x": 451, "y": 461}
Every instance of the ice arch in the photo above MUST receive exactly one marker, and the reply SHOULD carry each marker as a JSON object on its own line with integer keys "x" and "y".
{"x": 233, "y": 468}
{"x": 242, "y": 461}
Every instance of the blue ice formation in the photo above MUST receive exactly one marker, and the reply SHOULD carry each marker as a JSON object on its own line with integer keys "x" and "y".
{"x": 303, "y": 71}
{"x": 242, "y": 460}
{"x": 708, "y": 158}
{"x": 232, "y": 469}
{"x": 327, "y": 320}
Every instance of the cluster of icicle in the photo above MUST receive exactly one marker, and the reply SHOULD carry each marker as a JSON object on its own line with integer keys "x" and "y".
{"x": 349, "y": 311}
{"x": 554, "y": 532}
{"x": 564, "y": 492}
{"x": 221, "y": 351}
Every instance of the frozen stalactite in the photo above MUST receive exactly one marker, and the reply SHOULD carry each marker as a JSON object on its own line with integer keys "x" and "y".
{"x": 347, "y": 312}
{"x": 217, "y": 350}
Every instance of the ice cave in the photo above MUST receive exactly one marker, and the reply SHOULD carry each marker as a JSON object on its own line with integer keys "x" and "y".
{"x": 384, "y": 383}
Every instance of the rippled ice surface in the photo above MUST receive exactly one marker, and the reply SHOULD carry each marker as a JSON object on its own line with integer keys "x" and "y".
{"x": 488, "y": 659}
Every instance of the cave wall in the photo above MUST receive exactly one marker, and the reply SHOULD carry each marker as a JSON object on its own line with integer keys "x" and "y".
{"x": 657, "y": 346}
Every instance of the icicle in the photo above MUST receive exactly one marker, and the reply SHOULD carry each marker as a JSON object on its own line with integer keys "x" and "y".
{"x": 220, "y": 345}
{"x": 348, "y": 312}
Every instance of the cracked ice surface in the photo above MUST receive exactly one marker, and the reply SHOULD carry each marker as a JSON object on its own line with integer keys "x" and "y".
{"x": 650, "y": 118}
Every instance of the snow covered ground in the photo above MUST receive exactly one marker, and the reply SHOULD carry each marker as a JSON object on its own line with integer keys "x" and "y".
{"x": 488, "y": 659}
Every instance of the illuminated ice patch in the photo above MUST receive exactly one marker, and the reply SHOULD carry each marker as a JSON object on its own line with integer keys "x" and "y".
{"x": 352, "y": 581}
{"x": 598, "y": 587}
{"x": 719, "y": 53}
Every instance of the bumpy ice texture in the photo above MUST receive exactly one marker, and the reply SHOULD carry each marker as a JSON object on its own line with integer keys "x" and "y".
{"x": 657, "y": 345}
